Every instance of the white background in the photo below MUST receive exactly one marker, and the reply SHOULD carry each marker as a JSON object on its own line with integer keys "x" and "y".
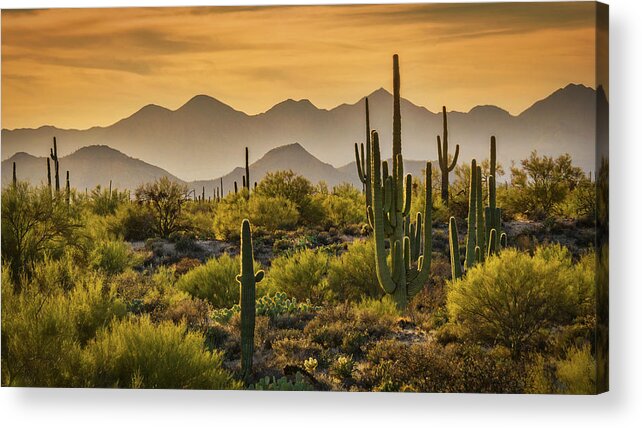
{"x": 620, "y": 407}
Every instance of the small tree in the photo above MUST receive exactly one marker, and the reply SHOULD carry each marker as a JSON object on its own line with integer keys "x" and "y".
{"x": 543, "y": 183}
{"x": 165, "y": 199}
{"x": 34, "y": 222}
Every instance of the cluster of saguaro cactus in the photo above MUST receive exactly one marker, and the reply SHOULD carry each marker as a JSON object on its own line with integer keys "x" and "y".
{"x": 53, "y": 154}
{"x": 442, "y": 151}
{"x": 363, "y": 160}
{"x": 484, "y": 236}
{"x": 247, "y": 280}
{"x": 389, "y": 214}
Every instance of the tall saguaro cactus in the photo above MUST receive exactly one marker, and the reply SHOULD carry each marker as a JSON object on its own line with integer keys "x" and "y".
{"x": 362, "y": 159}
{"x": 247, "y": 280}
{"x": 442, "y": 151}
{"x": 389, "y": 213}
{"x": 15, "y": 177}
{"x": 53, "y": 153}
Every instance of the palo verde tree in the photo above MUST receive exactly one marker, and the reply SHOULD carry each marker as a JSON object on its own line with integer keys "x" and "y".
{"x": 165, "y": 199}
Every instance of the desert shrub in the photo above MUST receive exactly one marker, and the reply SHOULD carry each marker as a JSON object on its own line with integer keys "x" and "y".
{"x": 541, "y": 185}
{"x": 301, "y": 275}
{"x": 136, "y": 353}
{"x": 34, "y": 223}
{"x": 352, "y": 276}
{"x": 429, "y": 367}
{"x": 295, "y": 351}
{"x": 105, "y": 202}
{"x": 510, "y": 298}
{"x": 215, "y": 281}
{"x": 272, "y": 213}
{"x": 112, "y": 257}
{"x": 230, "y": 212}
{"x": 133, "y": 222}
{"x": 43, "y": 332}
{"x": 165, "y": 199}
{"x": 282, "y": 384}
{"x": 184, "y": 265}
{"x": 295, "y": 188}
{"x": 344, "y": 207}
{"x": 573, "y": 374}
{"x": 580, "y": 204}
{"x": 194, "y": 312}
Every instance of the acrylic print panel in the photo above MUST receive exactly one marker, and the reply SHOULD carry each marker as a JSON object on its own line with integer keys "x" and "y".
{"x": 335, "y": 198}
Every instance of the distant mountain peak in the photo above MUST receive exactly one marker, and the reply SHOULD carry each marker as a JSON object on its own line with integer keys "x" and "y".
{"x": 290, "y": 105}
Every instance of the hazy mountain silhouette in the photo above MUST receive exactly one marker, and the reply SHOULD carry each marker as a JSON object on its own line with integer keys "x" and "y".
{"x": 289, "y": 157}
{"x": 205, "y": 137}
{"x": 88, "y": 167}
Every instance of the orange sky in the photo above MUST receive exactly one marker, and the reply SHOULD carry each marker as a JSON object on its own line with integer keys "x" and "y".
{"x": 76, "y": 68}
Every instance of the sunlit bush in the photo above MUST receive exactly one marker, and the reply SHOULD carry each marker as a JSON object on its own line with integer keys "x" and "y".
{"x": 215, "y": 281}
{"x": 134, "y": 353}
{"x": 272, "y": 213}
{"x": 510, "y": 298}
{"x": 573, "y": 374}
{"x": 112, "y": 257}
{"x": 301, "y": 275}
{"x": 352, "y": 276}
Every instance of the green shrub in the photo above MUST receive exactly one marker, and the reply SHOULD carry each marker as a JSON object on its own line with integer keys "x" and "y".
{"x": 510, "y": 298}
{"x": 102, "y": 202}
{"x": 43, "y": 332}
{"x": 133, "y": 222}
{"x": 344, "y": 209}
{"x": 394, "y": 365}
{"x": 272, "y": 213}
{"x": 112, "y": 257}
{"x": 352, "y": 276}
{"x": 343, "y": 367}
{"x": 136, "y": 353}
{"x": 215, "y": 281}
{"x": 574, "y": 374}
{"x": 270, "y": 305}
{"x": 230, "y": 212}
{"x": 301, "y": 275}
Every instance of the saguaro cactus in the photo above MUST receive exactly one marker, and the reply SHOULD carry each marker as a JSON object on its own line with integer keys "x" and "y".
{"x": 442, "y": 151}
{"x": 67, "y": 190}
{"x": 484, "y": 223}
{"x": 455, "y": 262}
{"x": 53, "y": 153}
{"x": 246, "y": 178}
{"x": 236, "y": 188}
{"x": 15, "y": 178}
{"x": 49, "y": 173}
{"x": 221, "y": 187}
{"x": 247, "y": 280}
{"x": 389, "y": 214}
{"x": 363, "y": 160}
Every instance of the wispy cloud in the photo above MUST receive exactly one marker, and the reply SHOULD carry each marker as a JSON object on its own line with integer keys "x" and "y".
{"x": 94, "y": 66}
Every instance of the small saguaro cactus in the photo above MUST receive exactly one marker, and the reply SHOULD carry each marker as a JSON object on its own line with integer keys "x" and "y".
{"x": 203, "y": 194}
{"x": 15, "y": 177}
{"x": 442, "y": 151}
{"x": 455, "y": 262}
{"x": 236, "y": 188}
{"x": 53, "y": 154}
{"x": 221, "y": 187}
{"x": 363, "y": 161}
{"x": 247, "y": 280}
{"x": 67, "y": 190}
{"x": 49, "y": 173}
{"x": 246, "y": 178}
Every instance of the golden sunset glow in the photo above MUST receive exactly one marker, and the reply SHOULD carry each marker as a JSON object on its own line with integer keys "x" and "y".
{"x": 76, "y": 68}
